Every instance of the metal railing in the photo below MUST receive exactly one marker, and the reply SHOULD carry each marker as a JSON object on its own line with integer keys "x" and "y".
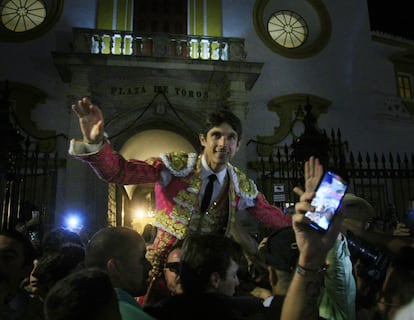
{"x": 28, "y": 183}
{"x": 386, "y": 180}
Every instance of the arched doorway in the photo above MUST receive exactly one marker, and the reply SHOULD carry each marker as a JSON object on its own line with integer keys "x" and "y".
{"x": 138, "y": 200}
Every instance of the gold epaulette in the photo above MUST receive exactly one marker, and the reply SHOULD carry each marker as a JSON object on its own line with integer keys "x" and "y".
{"x": 180, "y": 163}
{"x": 243, "y": 186}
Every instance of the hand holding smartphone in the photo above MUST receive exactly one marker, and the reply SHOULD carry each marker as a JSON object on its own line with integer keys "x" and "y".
{"x": 329, "y": 194}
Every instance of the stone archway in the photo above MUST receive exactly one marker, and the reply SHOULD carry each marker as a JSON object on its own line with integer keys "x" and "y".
{"x": 137, "y": 201}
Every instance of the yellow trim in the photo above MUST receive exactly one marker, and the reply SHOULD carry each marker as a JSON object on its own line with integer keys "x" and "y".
{"x": 105, "y": 14}
{"x": 199, "y": 21}
{"x": 190, "y": 16}
{"x": 130, "y": 15}
{"x": 123, "y": 19}
{"x": 120, "y": 15}
{"x": 214, "y": 18}
{"x": 205, "y": 19}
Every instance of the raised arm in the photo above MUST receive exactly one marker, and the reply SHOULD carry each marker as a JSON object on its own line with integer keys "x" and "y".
{"x": 91, "y": 120}
{"x": 302, "y": 299}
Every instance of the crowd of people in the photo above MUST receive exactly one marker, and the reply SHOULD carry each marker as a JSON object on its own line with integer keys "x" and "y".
{"x": 200, "y": 263}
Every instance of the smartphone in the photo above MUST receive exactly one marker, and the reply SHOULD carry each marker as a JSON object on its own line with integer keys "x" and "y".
{"x": 329, "y": 194}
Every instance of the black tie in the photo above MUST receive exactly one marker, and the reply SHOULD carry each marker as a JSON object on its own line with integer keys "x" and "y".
{"x": 208, "y": 193}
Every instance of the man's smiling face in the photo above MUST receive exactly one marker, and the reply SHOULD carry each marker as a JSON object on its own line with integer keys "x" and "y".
{"x": 220, "y": 145}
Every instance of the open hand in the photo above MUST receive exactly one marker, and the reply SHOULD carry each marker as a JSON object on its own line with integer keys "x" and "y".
{"x": 312, "y": 244}
{"x": 90, "y": 120}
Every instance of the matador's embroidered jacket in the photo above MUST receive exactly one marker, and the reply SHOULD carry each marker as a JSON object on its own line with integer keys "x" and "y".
{"x": 176, "y": 203}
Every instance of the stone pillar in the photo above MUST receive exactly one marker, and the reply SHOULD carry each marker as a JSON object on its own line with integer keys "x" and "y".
{"x": 238, "y": 101}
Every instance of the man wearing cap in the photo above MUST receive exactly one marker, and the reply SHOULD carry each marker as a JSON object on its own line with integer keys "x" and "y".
{"x": 280, "y": 253}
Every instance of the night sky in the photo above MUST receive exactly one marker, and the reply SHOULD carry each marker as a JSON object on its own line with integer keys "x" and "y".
{"x": 393, "y": 17}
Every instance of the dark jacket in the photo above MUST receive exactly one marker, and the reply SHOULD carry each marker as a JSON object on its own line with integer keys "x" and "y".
{"x": 204, "y": 306}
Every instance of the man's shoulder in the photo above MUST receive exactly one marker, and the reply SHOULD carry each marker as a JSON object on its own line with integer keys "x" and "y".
{"x": 244, "y": 186}
{"x": 129, "y": 311}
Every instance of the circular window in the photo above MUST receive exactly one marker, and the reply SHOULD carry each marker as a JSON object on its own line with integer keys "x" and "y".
{"x": 20, "y": 16}
{"x": 294, "y": 29}
{"x": 288, "y": 29}
{"x": 23, "y": 20}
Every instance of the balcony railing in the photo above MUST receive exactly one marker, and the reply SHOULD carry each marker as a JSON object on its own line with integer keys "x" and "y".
{"x": 109, "y": 42}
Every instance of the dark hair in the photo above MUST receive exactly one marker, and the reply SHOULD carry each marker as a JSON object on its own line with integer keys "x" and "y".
{"x": 29, "y": 251}
{"x": 55, "y": 238}
{"x": 220, "y": 116}
{"x": 401, "y": 280}
{"x": 149, "y": 232}
{"x": 55, "y": 265}
{"x": 202, "y": 255}
{"x": 84, "y": 294}
{"x": 178, "y": 244}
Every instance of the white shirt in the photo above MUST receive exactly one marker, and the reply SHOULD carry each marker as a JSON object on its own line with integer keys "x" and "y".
{"x": 218, "y": 184}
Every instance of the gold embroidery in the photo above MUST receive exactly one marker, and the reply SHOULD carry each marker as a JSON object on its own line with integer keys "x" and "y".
{"x": 181, "y": 214}
{"x": 159, "y": 256}
{"x": 194, "y": 183}
{"x": 213, "y": 221}
{"x": 151, "y": 161}
{"x": 246, "y": 185}
{"x": 178, "y": 160}
{"x": 186, "y": 198}
{"x": 185, "y": 214}
{"x": 179, "y": 163}
{"x": 169, "y": 224}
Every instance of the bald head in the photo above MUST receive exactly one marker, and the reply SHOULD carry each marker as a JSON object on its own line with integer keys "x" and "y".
{"x": 112, "y": 242}
{"x": 121, "y": 252}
